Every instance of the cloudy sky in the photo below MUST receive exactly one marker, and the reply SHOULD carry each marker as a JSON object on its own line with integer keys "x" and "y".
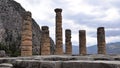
{"x": 78, "y": 15}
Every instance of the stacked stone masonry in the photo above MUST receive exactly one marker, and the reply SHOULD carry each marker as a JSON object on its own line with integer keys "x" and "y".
{"x": 62, "y": 61}
{"x": 68, "y": 42}
{"x": 45, "y": 41}
{"x": 26, "y": 40}
{"x": 59, "y": 43}
{"x": 82, "y": 42}
{"x": 101, "y": 40}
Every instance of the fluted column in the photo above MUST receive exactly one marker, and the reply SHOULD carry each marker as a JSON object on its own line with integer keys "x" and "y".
{"x": 68, "y": 43}
{"x": 82, "y": 42}
{"x": 59, "y": 43}
{"x": 101, "y": 40}
{"x": 26, "y": 40}
{"x": 45, "y": 41}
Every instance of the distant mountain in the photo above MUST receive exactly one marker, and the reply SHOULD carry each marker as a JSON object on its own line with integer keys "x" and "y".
{"x": 112, "y": 48}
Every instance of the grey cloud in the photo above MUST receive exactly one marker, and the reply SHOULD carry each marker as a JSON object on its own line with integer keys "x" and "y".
{"x": 59, "y": 4}
{"x": 116, "y": 3}
{"x": 94, "y": 2}
{"x": 113, "y": 33}
{"x": 45, "y": 23}
{"x": 108, "y": 33}
{"x": 34, "y": 2}
{"x": 91, "y": 21}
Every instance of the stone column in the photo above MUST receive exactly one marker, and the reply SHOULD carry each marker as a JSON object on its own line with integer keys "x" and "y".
{"x": 26, "y": 40}
{"x": 45, "y": 41}
{"x": 59, "y": 43}
{"x": 82, "y": 42}
{"x": 68, "y": 43}
{"x": 101, "y": 40}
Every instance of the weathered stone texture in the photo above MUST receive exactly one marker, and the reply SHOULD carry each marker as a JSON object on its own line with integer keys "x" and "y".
{"x": 62, "y": 61}
{"x": 101, "y": 40}
{"x": 68, "y": 43}
{"x": 26, "y": 40}
{"x": 59, "y": 43}
{"x": 6, "y": 65}
{"x": 82, "y": 42}
{"x": 11, "y": 18}
{"x": 45, "y": 41}
{"x": 2, "y": 53}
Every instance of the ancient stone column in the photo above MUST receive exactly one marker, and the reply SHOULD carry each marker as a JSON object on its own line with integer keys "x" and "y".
{"x": 26, "y": 40}
{"x": 45, "y": 41}
{"x": 59, "y": 44}
{"x": 68, "y": 43}
{"x": 101, "y": 40}
{"x": 82, "y": 42}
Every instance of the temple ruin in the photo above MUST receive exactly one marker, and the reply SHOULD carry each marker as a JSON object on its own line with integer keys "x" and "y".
{"x": 68, "y": 43}
{"x": 45, "y": 41}
{"x": 101, "y": 40}
{"x": 26, "y": 43}
{"x": 59, "y": 43}
{"x": 11, "y": 13}
{"x": 82, "y": 42}
{"x": 26, "y": 40}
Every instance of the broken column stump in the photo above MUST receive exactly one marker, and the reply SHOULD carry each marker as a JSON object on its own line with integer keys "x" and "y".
{"x": 59, "y": 43}
{"x": 82, "y": 42}
{"x": 45, "y": 41}
{"x": 68, "y": 43}
{"x": 101, "y": 40}
{"x": 26, "y": 40}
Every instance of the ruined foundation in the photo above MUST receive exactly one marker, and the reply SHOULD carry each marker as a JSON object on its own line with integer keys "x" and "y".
{"x": 101, "y": 40}
{"x": 64, "y": 61}
{"x": 59, "y": 43}
{"x": 26, "y": 40}
{"x": 68, "y": 43}
{"x": 82, "y": 42}
{"x": 45, "y": 41}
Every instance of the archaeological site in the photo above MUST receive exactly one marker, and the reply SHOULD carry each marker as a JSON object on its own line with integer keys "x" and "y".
{"x": 23, "y": 44}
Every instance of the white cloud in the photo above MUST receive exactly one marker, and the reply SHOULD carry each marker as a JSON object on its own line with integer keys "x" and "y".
{"x": 112, "y": 39}
{"x": 111, "y": 14}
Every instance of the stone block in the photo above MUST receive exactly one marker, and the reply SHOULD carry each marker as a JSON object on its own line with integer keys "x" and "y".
{"x": 50, "y": 64}
{"x": 26, "y": 48}
{"x": 26, "y": 43}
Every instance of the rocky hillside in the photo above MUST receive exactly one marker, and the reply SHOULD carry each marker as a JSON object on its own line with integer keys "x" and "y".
{"x": 11, "y": 17}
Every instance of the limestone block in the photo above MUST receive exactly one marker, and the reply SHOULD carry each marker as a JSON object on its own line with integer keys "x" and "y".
{"x": 26, "y": 48}
{"x": 26, "y": 43}
{"x": 6, "y": 65}
{"x": 49, "y": 64}
{"x": 26, "y": 64}
{"x": 2, "y": 53}
{"x": 26, "y": 53}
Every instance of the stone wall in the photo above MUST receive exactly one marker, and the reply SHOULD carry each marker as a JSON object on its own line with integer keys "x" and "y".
{"x": 58, "y": 61}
